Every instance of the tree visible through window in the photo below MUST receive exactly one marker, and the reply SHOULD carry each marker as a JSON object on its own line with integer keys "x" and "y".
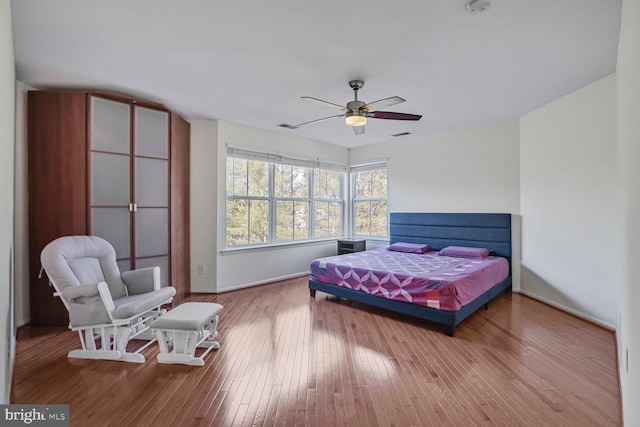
{"x": 247, "y": 201}
{"x": 370, "y": 200}
{"x": 292, "y": 201}
{"x": 327, "y": 193}
{"x": 271, "y": 199}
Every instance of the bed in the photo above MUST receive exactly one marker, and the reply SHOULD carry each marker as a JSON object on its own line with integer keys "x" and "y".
{"x": 439, "y": 230}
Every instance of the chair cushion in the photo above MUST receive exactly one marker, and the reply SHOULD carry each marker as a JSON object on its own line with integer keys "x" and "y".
{"x": 189, "y": 316}
{"x": 79, "y": 260}
{"x": 135, "y": 304}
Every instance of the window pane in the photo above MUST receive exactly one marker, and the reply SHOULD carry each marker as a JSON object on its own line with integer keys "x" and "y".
{"x": 237, "y": 222}
{"x": 292, "y": 220}
{"x": 258, "y": 178}
{"x": 321, "y": 220}
{"x": 335, "y": 219}
{"x": 378, "y": 218}
{"x": 229, "y": 176}
{"x": 291, "y": 181}
{"x": 299, "y": 182}
{"x": 320, "y": 183}
{"x": 239, "y": 176}
{"x": 363, "y": 184}
{"x": 301, "y": 220}
{"x": 258, "y": 221}
{"x": 328, "y": 219}
{"x": 362, "y": 218}
{"x": 284, "y": 221}
{"x": 282, "y": 180}
{"x": 247, "y": 222}
{"x": 379, "y": 183}
{"x": 334, "y": 185}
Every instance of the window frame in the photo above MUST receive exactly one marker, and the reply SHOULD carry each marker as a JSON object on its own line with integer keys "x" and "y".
{"x": 293, "y": 200}
{"x": 340, "y": 200}
{"x": 249, "y": 198}
{"x": 353, "y": 171}
{"x": 272, "y": 200}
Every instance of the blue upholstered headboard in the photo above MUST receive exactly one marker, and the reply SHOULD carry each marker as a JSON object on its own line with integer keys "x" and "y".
{"x": 480, "y": 230}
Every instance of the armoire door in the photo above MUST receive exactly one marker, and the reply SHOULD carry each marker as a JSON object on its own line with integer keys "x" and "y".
{"x": 151, "y": 190}
{"x": 110, "y": 176}
{"x": 129, "y": 169}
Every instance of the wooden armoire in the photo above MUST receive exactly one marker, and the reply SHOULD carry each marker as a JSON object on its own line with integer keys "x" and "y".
{"x": 110, "y": 165}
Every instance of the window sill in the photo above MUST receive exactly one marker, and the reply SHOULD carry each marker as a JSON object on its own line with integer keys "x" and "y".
{"x": 275, "y": 246}
{"x": 372, "y": 238}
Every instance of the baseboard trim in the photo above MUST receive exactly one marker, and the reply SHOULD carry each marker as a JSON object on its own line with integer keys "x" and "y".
{"x": 568, "y": 310}
{"x": 258, "y": 283}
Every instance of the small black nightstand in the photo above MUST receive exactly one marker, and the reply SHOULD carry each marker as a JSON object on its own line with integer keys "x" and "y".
{"x": 347, "y": 246}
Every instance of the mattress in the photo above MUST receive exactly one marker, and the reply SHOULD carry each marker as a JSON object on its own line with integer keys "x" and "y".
{"x": 441, "y": 282}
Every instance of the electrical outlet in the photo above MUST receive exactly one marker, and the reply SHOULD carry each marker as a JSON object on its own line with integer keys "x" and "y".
{"x": 201, "y": 269}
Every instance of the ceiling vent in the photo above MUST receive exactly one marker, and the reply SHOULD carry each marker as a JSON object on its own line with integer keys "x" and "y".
{"x": 288, "y": 126}
{"x": 395, "y": 135}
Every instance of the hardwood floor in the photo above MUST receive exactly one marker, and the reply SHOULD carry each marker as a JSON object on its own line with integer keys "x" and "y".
{"x": 288, "y": 359}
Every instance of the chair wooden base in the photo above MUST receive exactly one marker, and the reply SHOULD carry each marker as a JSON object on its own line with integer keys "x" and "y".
{"x": 107, "y": 355}
{"x": 109, "y": 341}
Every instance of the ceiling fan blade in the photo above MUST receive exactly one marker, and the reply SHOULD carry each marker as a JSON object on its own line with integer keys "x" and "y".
{"x": 383, "y": 103}
{"x": 393, "y": 116}
{"x": 319, "y": 120}
{"x": 358, "y": 130}
{"x": 326, "y": 103}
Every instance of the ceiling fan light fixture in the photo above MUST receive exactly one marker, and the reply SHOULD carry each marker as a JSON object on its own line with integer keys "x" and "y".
{"x": 355, "y": 119}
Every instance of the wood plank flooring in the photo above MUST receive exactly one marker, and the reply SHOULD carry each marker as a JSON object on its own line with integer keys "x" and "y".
{"x": 288, "y": 359}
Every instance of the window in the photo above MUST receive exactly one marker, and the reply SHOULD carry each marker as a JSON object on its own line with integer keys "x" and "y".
{"x": 327, "y": 193}
{"x": 274, "y": 199}
{"x": 247, "y": 201}
{"x": 369, "y": 190}
{"x": 291, "y": 193}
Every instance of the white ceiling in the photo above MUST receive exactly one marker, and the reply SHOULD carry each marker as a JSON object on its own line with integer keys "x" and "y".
{"x": 250, "y": 61}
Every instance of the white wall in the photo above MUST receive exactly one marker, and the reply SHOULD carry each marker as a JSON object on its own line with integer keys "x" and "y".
{"x": 204, "y": 198}
{"x": 570, "y": 202}
{"x": 628, "y": 91}
{"x": 237, "y": 269}
{"x": 7, "y": 105}
{"x": 471, "y": 170}
{"x": 21, "y": 218}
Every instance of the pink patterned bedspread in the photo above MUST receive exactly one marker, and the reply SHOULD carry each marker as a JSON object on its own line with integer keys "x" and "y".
{"x": 441, "y": 282}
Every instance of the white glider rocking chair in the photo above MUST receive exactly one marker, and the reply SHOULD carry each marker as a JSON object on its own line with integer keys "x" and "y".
{"x": 106, "y": 308}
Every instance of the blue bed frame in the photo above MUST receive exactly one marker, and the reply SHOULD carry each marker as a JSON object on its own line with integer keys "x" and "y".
{"x": 482, "y": 230}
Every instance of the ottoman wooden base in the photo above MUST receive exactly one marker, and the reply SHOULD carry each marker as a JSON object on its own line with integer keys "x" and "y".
{"x": 187, "y": 327}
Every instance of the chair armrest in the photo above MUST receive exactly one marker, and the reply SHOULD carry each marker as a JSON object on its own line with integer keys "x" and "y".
{"x": 142, "y": 280}
{"x": 88, "y": 304}
{"x": 73, "y": 292}
{"x": 107, "y": 299}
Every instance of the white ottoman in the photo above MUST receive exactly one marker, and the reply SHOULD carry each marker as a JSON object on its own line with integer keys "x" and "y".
{"x": 189, "y": 326}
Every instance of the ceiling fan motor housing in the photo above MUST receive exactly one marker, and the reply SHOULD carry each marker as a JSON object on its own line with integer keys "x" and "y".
{"x": 355, "y": 106}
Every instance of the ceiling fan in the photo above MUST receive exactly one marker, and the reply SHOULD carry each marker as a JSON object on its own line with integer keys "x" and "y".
{"x": 357, "y": 112}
